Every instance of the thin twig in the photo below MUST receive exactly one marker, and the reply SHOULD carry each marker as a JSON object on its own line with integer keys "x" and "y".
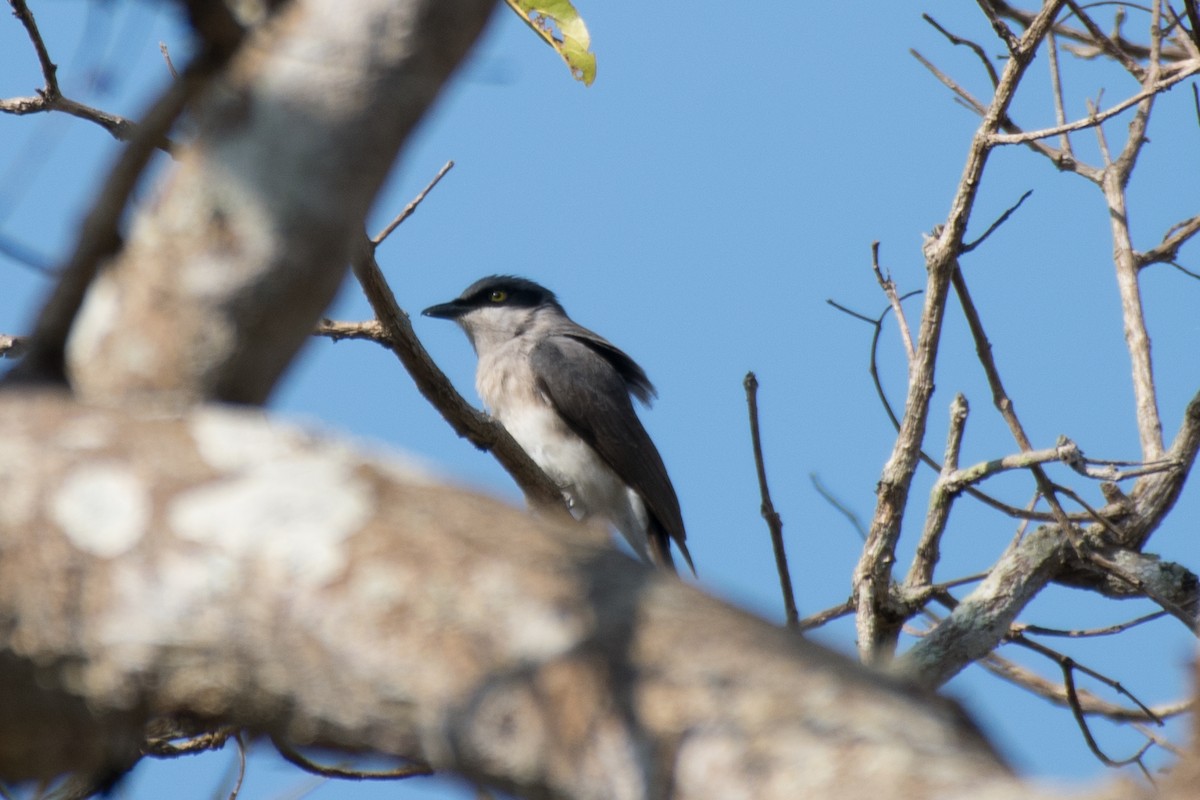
{"x": 838, "y": 505}
{"x": 1095, "y": 116}
{"x": 1056, "y": 693}
{"x": 1110, "y": 47}
{"x": 889, "y": 289}
{"x": 412, "y": 206}
{"x": 950, "y": 584}
{"x": 415, "y": 769}
{"x": 166, "y": 54}
{"x": 1004, "y": 404}
{"x": 1062, "y": 159}
{"x": 774, "y": 521}
{"x": 1084, "y": 633}
{"x": 49, "y": 68}
{"x": 826, "y": 616}
{"x": 1062, "y": 658}
{"x": 51, "y": 98}
{"x": 1159, "y": 739}
{"x": 1060, "y": 109}
{"x": 941, "y": 498}
{"x": 241, "y": 773}
{"x": 1167, "y": 250}
{"x": 975, "y": 105}
{"x": 966, "y": 248}
{"x": 1023, "y": 528}
{"x": 1075, "y": 34}
{"x": 873, "y": 369}
{"x": 1137, "y": 338}
{"x": 1184, "y": 270}
{"x": 1073, "y": 700}
{"x": 1014, "y": 636}
{"x": 1007, "y": 36}
{"x": 960, "y": 41}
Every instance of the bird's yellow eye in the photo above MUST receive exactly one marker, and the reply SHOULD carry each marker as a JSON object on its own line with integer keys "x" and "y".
{"x": 499, "y": 296}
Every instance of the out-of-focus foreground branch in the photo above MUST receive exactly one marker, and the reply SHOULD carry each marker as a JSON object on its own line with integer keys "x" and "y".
{"x": 223, "y": 278}
{"x": 220, "y": 565}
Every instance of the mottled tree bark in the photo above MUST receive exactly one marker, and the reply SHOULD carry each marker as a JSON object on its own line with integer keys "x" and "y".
{"x": 224, "y": 566}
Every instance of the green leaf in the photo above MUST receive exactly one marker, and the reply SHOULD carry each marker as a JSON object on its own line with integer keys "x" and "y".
{"x": 561, "y": 27}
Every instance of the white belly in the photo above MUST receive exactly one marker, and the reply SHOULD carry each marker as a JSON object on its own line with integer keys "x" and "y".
{"x": 589, "y": 484}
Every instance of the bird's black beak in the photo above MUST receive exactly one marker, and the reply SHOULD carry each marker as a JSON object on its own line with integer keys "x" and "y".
{"x": 452, "y": 310}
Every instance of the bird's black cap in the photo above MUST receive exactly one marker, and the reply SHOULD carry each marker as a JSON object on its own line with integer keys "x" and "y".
{"x": 494, "y": 290}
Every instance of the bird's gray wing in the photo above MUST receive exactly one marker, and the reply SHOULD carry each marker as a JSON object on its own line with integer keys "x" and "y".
{"x": 633, "y": 375}
{"x": 587, "y": 382}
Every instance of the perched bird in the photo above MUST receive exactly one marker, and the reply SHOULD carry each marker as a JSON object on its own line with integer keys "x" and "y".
{"x": 563, "y": 392}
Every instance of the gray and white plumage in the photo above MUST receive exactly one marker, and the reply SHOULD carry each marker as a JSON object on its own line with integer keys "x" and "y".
{"x": 564, "y": 393}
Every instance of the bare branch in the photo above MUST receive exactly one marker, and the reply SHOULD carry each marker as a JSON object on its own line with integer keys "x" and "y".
{"x": 1111, "y": 48}
{"x": 941, "y": 497}
{"x": 826, "y": 616}
{"x": 1089, "y": 632}
{"x": 1006, "y": 35}
{"x": 1184, "y": 270}
{"x": 838, "y": 505}
{"x": 872, "y": 576}
{"x": 412, "y": 206}
{"x": 166, "y": 54}
{"x": 1105, "y": 469}
{"x": 1133, "y": 49}
{"x": 981, "y": 620}
{"x": 50, "y": 96}
{"x": 49, "y": 69}
{"x": 1060, "y": 112}
{"x": 1168, "y": 249}
{"x": 1004, "y": 404}
{"x": 1008, "y": 212}
{"x": 1090, "y": 704}
{"x": 370, "y": 330}
{"x": 26, "y": 256}
{"x": 1093, "y": 119}
{"x": 951, "y": 84}
{"x": 889, "y": 288}
{"x": 442, "y": 660}
{"x": 1137, "y": 338}
{"x": 1072, "y": 700}
{"x": 774, "y": 521}
{"x": 873, "y": 368}
{"x": 958, "y": 40}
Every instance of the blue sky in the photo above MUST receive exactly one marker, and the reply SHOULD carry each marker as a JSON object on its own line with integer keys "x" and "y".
{"x": 723, "y": 177}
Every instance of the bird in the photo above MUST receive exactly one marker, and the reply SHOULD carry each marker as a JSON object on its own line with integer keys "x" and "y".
{"x": 565, "y": 394}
